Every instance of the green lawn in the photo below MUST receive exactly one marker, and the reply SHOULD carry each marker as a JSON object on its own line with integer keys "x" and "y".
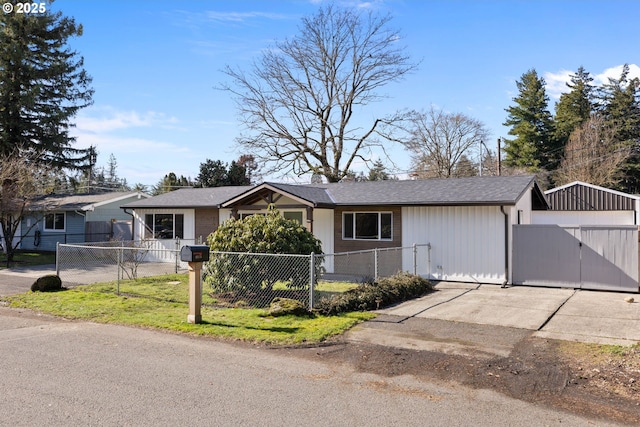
{"x": 165, "y": 306}
{"x": 26, "y": 259}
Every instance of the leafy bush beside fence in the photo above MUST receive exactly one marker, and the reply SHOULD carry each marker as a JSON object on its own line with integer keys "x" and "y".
{"x": 254, "y": 254}
{"x": 372, "y": 296}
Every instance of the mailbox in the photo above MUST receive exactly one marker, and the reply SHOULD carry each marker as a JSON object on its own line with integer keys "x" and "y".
{"x": 194, "y": 253}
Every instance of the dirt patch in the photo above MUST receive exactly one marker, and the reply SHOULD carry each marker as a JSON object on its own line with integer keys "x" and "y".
{"x": 593, "y": 381}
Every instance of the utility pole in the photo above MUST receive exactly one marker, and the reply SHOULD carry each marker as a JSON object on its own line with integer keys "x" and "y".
{"x": 499, "y": 165}
{"x": 481, "y": 144}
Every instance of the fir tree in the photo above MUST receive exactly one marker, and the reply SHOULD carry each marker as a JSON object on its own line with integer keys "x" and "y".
{"x": 534, "y": 146}
{"x": 42, "y": 86}
{"x": 619, "y": 103}
{"x": 574, "y": 107}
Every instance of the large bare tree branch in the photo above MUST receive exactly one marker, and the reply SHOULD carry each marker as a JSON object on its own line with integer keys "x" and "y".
{"x": 298, "y": 102}
{"x": 438, "y": 141}
{"x": 593, "y": 154}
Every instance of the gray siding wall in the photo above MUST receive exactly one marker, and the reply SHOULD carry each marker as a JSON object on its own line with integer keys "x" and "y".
{"x": 583, "y": 198}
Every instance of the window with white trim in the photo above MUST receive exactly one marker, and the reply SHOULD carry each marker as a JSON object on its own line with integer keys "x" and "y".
{"x": 163, "y": 226}
{"x": 54, "y": 221}
{"x": 367, "y": 226}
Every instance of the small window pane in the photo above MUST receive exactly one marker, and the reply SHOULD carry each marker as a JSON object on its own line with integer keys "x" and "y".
{"x": 59, "y": 221}
{"x": 148, "y": 226}
{"x": 367, "y": 226}
{"x": 179, "y": 226}
{"x": 48, "y": 222}
{"x": 385, "y": 226}
{"x": 347, "y": 227}
{"x": 54, "y": 221}
{"x": 163, "y": 226}
{"x": 294, "y": 216}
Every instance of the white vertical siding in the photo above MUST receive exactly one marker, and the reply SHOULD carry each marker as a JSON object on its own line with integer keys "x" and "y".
{"x": 467, "y": 243}
{"x": 323, "y": 230}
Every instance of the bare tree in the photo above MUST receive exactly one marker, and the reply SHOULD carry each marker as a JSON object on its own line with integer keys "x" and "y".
{"x": 22, "y": 178}
{"x": 593, "y": 154}
{"x": 439, "y": 141}
{"x": 299, "y": 101}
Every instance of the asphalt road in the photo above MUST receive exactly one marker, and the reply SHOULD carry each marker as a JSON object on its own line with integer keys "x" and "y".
{"x": 60, "y": 373}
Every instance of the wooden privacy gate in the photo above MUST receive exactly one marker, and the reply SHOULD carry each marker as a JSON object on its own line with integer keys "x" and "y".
{"x": 587, "y": 257}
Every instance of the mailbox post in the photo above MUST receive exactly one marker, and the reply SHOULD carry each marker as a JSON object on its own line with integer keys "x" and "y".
{"x": 195, "y": 256}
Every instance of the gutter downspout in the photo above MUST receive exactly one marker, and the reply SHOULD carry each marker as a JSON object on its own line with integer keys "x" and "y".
{"x": 133, "y": 223}
{"x": 506, "y": 247}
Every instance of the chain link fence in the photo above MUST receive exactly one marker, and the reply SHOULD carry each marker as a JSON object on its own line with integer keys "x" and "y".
{"x": 234, "y": 279}
{"x": 118, "y": 260}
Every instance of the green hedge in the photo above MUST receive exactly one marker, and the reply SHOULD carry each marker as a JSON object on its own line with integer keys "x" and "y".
{"x": 372, "y": 296}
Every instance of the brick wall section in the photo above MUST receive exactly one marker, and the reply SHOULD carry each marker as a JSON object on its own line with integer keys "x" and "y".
{"x": 207, "y": 221}
{"x": 341, "y": 245}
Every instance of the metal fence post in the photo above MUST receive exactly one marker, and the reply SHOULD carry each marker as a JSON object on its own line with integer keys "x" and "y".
{"x": 58, "y": 259}
{"x": 375, "y": 264}
{"x": 119, "y": 257}
{"x": 415, "y": 259}
{"x": 312, "y": 278}
{"x": 177, "y": 254}
{"x": 429, "y": 260}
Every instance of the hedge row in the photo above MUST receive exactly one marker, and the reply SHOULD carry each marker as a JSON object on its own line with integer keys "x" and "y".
{"x": 372, "y": 296}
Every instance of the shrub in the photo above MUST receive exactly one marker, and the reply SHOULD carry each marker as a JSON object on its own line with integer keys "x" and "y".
{"x": 48, "y": 283}
{"x": 287, "y": 306}
{"x": 371, "y": 296}
{"x": 259, "y": 234}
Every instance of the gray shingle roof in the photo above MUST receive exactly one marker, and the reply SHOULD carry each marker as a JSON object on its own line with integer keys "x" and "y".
{"x": 496, "y": 190}
{"x": 190, "y": 198}
{"x": 71, "y": 202}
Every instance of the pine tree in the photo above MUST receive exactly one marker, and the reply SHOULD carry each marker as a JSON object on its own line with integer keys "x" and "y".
{"x": 574, "y": 107}
{"x": 42, "y": 86}
{"x": 619, "y": 103}
{"x": 378, "y": 172}
{"x": 534, "y": 146}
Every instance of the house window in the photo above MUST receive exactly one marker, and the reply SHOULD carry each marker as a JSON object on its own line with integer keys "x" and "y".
{"x": 367, "y": 225}
{"x": 164, "y": 226}
{"x": 54, "y": 221}
{"x": 294, "y": 216}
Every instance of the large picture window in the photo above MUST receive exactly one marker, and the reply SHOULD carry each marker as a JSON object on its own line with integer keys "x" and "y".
{"x": 54, "y": 221}
{"x": 367, "y": 225}
{"x": 164, "y": 226}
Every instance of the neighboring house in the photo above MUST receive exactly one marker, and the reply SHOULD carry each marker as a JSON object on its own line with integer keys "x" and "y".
{"x": 77, "y": 218}
{"x": 580, "y": 203}
{"x": 466, "y": 221}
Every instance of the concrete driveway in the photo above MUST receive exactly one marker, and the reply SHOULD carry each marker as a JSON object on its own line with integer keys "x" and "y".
{"x": 567, "y": 314}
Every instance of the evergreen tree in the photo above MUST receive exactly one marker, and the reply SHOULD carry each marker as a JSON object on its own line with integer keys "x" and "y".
{"x": 534, "y": 146}
{"x": 237, "y": 174}
{"x": 465, "y": 168}
{"x": 171, "y": 182}
{"x": 575, "y": 106}
{"x": 214, "y": 173}
{"x": 378, "y": 172}
{"x": 42, "y": 86}
{"x": 619, "y": 104}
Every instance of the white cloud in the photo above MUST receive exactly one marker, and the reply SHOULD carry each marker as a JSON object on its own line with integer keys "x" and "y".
{"x": 557, "y": 82}
{"x": 614, "y": 73}
{"x": 108, "y": 119}
{"x": 137, "y": 140}
{"x": 241, "y": 16}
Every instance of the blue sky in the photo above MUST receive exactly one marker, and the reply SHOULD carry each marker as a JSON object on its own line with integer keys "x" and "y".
{"x": 155, "y": 65}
